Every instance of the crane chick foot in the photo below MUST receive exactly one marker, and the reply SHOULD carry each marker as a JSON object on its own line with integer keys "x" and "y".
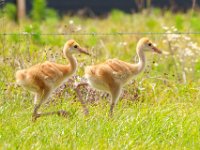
{"x": 63, "y": 113}
{"x": 35, "y": 116}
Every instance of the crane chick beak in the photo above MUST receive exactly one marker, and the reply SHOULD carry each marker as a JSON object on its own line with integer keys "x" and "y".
{"x": 155, "y": 49}
{"x": 84, "y": 51}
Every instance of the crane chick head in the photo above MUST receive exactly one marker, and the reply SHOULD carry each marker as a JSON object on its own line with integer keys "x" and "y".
{"x": 146, "y": 45}
{"x": 72, "y": 47}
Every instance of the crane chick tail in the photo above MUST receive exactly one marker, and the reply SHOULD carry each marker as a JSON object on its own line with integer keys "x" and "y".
{"x": 20, "y": 77}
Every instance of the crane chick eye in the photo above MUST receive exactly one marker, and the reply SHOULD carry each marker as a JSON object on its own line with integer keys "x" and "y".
{"x": 149, "y": 44}
{"x": 75, "y": 46}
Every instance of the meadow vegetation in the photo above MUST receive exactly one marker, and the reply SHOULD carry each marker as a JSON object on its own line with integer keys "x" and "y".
{"x": 159, "y": 109}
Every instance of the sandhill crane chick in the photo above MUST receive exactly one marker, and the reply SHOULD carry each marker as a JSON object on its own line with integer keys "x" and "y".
{"x": 44, "y": 78}
{"x": 113, "y": 74}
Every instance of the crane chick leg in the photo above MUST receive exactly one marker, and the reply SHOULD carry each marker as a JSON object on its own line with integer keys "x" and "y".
{"x": 42, "y": 98}
{"x": 77, "y": 89}
{"x": 115, "y": 93}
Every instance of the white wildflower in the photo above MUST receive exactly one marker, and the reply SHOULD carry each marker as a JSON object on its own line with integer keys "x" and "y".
{"x": 193, "y": 45}
{"x": 71, "y": 22}
{"x": 175, "y": 30}
{"x": 186, "y": 69}
{"x": 122, "y": 43}
{"x": 188, "y": 52}
{"x": 168, "y": 32}
{"x": 79, "y": 28}
{"x": 165, "y": 27}
{"x": 186, "y": 38}
{"x": 164, "y": 41}
{"x": 155, "y": 64}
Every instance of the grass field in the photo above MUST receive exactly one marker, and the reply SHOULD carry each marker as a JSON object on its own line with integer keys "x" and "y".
{"x": 159, "y": 110}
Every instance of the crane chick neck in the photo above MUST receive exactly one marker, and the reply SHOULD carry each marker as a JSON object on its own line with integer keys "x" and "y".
{"x": 66, "y": 50}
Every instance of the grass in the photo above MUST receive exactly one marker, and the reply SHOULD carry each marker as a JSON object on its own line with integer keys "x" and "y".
{"x": 134, "y": 126}
{"x": 164, "y": 115}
